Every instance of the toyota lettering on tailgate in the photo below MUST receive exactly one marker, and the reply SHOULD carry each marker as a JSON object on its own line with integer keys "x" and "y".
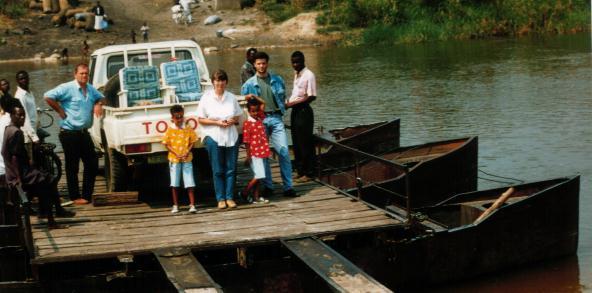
{"x": 162, "y": 126}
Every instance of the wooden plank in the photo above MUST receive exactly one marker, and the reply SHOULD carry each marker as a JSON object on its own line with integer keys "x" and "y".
{"x": 184, "y": 271}
{"x": 115, "y": 198}
{"x": 177, "y": 227}
{"x": 339, "y": 273}
{"x": 227, "y": 236}
{"x": 212, "y": 239}
{"x": 210, "y": 217}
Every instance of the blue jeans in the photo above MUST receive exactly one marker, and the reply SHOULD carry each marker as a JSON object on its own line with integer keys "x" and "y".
{"x": 223, "y": 161}
{"x": 274, "y": 127}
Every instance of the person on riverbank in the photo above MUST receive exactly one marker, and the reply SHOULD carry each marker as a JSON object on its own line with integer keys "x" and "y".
{"x": 186, "y": 10}
{"x": 257, "y": 145}
{"x": 21, "y": 174}
{"x": 145, "y": 29}
{"x": 302, "y": 117}
{"x": 271, "y": 89}
{"x": 218, "y": 114}
{"x": 179, "y": 140}
{"x": 99, "y": 12}
{"x": 85, "y": 50}
{"x": 27, "y": 99}
{"x": 247, "y": 70}
{"x": 133, "y": 36}
{"x": 75, "y": 102}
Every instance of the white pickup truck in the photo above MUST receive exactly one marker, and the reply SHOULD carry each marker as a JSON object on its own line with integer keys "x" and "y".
{"x": 130, "y": 131}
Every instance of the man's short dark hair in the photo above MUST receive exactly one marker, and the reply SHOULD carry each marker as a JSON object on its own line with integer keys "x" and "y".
{"x": 176, "y": 109}
{"x": 253, "y": 103}
{"x": 220, "y": 75}
{"x": 298, "y": 54}
{"x": 261, "y": 55}
{"x": 80, "y": 65}
{"x": 8, "y": 103}
{"x": 20, "y": 73}
{"x": 251, "y": 51}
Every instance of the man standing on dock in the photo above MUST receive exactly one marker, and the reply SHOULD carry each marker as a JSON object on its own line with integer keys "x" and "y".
{"x": 302, "y": 118}
{"x": 24, "y": 95}
{"x": 271, "y": 89}
{"x": 74, "y": 102}
{"x": 247, "y": 70}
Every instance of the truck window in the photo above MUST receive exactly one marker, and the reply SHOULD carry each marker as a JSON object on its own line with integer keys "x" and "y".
{"x": 115, "y": 63}
{"x": 93, "y": 61}
{"x": 162, "y": 57}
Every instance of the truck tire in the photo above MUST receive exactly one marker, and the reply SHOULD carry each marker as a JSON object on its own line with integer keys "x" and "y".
{"x": 116, "y": 171}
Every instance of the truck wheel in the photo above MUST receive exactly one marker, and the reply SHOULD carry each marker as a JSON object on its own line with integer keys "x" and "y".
{"x": 116, "y": 173}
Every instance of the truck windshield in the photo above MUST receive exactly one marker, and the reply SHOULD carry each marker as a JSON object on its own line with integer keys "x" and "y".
{"x": 115, "y": 63}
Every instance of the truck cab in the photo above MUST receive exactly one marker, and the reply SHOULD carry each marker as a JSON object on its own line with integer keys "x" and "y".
{"x": 136, "y": 80}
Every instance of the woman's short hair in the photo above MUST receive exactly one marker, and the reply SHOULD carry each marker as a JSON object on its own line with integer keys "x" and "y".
{"x": 220, "y": 75}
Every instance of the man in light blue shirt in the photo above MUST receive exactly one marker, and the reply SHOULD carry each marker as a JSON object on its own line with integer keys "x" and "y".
{"x": 75, "y": 102}
{"x": 271, "y": 89}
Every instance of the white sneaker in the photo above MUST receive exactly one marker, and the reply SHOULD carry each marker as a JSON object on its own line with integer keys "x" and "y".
{"x": 261, "y": 200}
{"x": 192, "y": 209}
{"x": 175, "y": 210}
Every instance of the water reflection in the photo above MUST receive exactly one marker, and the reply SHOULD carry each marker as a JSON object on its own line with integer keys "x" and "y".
{"x": 528, "y": 100}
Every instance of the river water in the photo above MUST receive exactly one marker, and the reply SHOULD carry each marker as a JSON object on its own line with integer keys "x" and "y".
{"x": 528, "y": 100}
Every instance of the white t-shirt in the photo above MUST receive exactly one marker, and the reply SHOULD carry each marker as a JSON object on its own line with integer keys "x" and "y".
{"x": 219, "y": 109}
{"x": 305, "y": 84}
{"x": 30, "y": 127}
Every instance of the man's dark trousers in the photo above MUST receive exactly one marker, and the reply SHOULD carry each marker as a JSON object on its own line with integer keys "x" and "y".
{"x": 78, "y": 145}
{"x": 302, "y": 123}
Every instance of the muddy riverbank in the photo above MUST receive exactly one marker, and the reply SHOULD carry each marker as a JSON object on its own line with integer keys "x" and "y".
{"x": 26, "y": 37}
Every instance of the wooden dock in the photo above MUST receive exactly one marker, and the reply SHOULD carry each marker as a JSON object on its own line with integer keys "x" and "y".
{"x": 109, "y": 231}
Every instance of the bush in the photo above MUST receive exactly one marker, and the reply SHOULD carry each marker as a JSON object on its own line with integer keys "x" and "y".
{"x": 247, "y": 3}
{"x": 13, "y": 8}
{"x": 278, "y": 10}
{"x": 390, "y": 21}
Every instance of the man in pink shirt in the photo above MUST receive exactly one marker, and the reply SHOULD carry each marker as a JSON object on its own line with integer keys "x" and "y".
{"x": 302, "y": 118}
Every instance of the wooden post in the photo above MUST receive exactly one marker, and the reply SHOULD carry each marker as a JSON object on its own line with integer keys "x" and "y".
{"x": 498, "y": 203}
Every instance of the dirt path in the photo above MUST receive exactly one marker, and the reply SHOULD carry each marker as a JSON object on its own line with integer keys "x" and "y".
{"x": 247, "y": 27}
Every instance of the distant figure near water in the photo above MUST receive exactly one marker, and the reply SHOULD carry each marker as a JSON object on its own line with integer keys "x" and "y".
{"x": 85, "y": 50}
{"x": 99, "y": 12}
{"x": 145, "y": 29}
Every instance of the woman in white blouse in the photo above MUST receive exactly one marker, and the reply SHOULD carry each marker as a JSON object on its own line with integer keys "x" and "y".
{"x": 218, "y": 114}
